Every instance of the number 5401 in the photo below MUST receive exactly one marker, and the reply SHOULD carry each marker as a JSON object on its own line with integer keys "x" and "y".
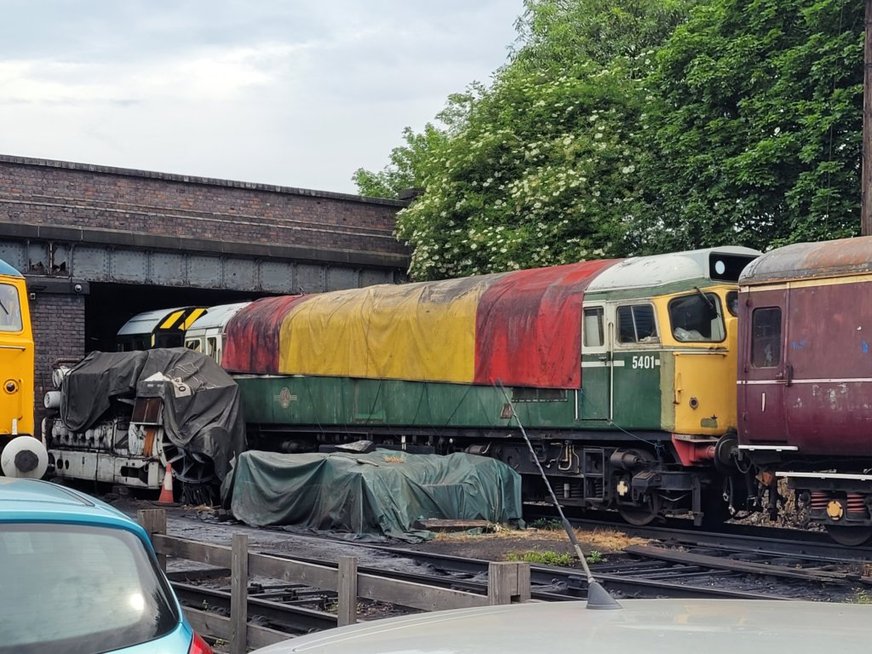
{"x": 645, "y": 361}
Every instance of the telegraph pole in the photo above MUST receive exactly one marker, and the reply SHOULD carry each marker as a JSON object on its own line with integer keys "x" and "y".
{"x": 866, "y": 175}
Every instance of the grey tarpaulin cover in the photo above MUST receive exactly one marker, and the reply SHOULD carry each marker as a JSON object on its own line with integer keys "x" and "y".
{"x": 207, "y": 421}
{"x": 383, "y": 492}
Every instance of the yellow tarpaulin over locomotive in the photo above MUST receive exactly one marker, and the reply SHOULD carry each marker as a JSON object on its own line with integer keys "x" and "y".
{"x": 521, "y": 328}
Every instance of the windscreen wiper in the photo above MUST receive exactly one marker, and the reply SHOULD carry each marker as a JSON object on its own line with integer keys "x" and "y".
{"x": 713, "y": 309}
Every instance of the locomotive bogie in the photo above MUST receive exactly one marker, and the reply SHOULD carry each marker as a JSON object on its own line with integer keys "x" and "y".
{"x": 841, "y": 502}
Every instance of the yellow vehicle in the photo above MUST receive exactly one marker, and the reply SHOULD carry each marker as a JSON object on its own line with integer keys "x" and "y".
{"x": 20, "y": 457}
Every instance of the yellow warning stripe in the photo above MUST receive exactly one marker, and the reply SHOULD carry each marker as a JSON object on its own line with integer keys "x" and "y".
{"x": 171, "y": 319}
{"x": 196, "y": 313}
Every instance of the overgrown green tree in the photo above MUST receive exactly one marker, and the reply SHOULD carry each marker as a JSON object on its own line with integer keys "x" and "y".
{"x": 555, "y": 33}
{"x": 755, "y": 126}
{"x": 541, "y": 168}
{"x": 634, "y": 126}
{"x": 542, "y": 174}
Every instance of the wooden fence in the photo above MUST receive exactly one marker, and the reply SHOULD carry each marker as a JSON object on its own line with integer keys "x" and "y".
{"x": 507, "y": 582}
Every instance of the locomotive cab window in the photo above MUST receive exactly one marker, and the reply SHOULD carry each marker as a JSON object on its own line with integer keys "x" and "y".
{"x": 766, "y": 337}
{"x": 697, "y": 318}
{"x": 733, "y": 303}
{"x": 636, "y": 324}
{"x": 592, "y": 329}
{"x": 168, "y": 339}
{"x": 10, "y": 309}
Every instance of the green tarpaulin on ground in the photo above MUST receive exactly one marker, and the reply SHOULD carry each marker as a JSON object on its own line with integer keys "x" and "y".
{"x": 380, "y": 493}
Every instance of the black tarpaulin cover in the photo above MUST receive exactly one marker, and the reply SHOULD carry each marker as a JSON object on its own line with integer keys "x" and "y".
{"x": 380, "y": 493}
{"x": 205, "y": 421}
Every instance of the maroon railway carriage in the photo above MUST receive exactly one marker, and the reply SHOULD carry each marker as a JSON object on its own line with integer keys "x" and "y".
{"x": 805, "y": 377}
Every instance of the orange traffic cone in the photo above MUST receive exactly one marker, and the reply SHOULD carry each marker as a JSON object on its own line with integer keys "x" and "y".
{"x": 166, "y": 491}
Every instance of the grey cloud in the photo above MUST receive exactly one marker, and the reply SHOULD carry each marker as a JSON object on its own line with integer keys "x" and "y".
{"x": 292, "y": 92}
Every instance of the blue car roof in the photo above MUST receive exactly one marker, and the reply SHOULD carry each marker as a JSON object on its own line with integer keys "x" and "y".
{"x": 32, "y": 500}
{"x": 6, "y": 269}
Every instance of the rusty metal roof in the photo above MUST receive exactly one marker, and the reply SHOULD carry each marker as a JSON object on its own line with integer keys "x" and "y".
{"x": 847, "y": 256}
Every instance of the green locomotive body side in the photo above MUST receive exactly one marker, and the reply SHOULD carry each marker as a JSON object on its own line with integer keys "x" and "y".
{"x": 346, "y": 402}
{"x": 623, "y": 388}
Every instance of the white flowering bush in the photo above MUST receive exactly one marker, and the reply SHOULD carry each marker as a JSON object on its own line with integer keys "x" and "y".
{"x": 628, "y": 127}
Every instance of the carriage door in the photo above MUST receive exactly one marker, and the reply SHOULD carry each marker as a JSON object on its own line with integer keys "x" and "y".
{"x": 765, "y": 371}
{"x": 594, "y": 398}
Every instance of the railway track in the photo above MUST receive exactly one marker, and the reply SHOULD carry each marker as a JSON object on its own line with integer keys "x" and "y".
{"x": 650, "y": 571}
{"x": 550, "y": 583}
{"x": 666, "y": 571}
{"x": 679, "y": 562}
{"x": 777, "y": 539}
{"x": 296, "y": 609}
{"x": 282, "y": 614}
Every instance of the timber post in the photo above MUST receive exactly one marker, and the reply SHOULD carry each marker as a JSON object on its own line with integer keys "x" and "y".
{"x": 239, "y": 594}
{"x": 154, "y": 521}
{"x": 507, "y": 582}
{"x": 346, "y": 589}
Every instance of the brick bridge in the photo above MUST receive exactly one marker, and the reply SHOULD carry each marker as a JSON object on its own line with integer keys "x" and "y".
{"x": 100, "y": 244}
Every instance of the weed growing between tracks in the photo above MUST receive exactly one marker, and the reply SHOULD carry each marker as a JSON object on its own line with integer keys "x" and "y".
{"x": 550, "y": 557}
{"x": 863, "y": 597}
{"x": 544, "y": 545}
{"x": 546, "y": 557}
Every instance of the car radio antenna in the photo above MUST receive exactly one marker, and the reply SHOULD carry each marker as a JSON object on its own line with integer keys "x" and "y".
{"x": 597, "y": 596}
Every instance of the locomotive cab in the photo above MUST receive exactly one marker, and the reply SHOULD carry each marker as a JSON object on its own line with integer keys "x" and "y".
{"x": 20, "y": 455}
{"x": 659, "y": 363}
{"x": 158, "y": 328}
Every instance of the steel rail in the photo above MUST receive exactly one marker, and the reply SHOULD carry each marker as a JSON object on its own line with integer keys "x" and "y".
{"x": 283, "y": 617}
{"x": 799, "y": 543}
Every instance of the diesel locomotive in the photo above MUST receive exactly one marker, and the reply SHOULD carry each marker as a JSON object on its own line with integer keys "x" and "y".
{"x": 623, "y": 373}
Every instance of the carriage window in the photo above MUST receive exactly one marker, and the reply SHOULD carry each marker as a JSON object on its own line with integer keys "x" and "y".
{"x": 636, "y": 324}
{"x": 592, "y": 330}
{"x": 10, "y": 310}
{"x": 766, "y": 337}
{"x": 696, "y": 318}
{"x": 193, "y": 344}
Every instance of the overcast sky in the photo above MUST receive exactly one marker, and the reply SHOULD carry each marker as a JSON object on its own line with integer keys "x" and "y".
{"x": 291, "y": 92}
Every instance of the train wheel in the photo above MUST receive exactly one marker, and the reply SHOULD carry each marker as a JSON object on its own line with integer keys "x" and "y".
{"x": 188, "y": 467}
{"x": 849, "y": 536}
{"x": 643, "y": 513}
